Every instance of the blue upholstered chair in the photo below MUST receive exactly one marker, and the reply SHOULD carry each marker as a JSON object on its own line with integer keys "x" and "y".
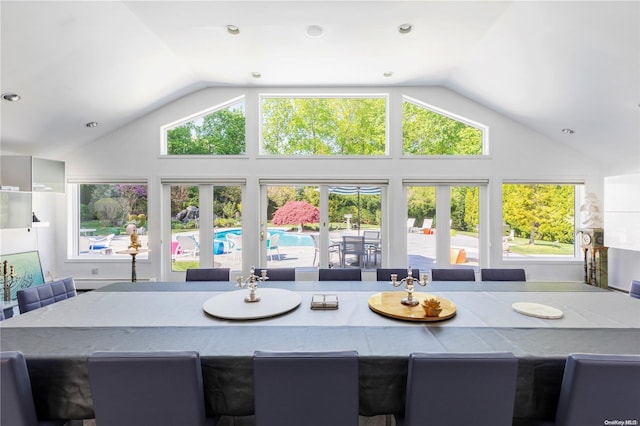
{"x": 453, "y": 274}
{"x": 16, "y": 399}
{"x": 584, "y": 373}
{"x": 460, "y": 389}
{"x": 36, "y": 297}
{"x": 1, "y": 315}
{"x": 207, "y": 274}
{"x": 278, "y": 274}
{"x": 338, "y": 274}
{"x": 384, "y": 274}
{"x": 147, "y": 388}
{"x": 634, "y": 291}
{"x": 498, "y": 274}
{"x": 308, "y": 388}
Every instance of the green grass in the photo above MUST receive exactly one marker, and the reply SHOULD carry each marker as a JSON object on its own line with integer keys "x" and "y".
{"x": 522, "y": 246}
{"x": 184, "y": 265}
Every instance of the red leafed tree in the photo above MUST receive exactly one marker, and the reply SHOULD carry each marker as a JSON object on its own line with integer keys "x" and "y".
{"x": 296, "y": 213}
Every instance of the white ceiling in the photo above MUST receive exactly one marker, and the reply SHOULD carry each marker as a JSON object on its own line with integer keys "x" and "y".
{"x": 549, "y": 65}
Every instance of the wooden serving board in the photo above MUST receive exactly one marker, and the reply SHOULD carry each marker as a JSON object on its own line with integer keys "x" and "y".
{"x": 388, "y": 303}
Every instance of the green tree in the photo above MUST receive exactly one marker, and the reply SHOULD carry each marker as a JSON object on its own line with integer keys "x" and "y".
{"x": 324, "y": 126}
{"x": 540, "y": 211}
{"x": 221, "y": 132}
{"x": 425, "y": 132}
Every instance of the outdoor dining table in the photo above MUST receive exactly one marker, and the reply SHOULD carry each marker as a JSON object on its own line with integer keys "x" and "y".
{"x": 142, "y": 316}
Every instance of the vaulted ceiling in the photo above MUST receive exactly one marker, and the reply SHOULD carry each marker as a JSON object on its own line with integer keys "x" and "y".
{"x": 549, "y": 65}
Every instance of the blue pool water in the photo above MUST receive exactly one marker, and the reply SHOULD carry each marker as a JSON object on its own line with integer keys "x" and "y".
{"x": 287, "y": 239}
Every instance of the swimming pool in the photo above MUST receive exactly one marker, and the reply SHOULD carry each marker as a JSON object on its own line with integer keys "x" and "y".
{"x": 287, "y": 239}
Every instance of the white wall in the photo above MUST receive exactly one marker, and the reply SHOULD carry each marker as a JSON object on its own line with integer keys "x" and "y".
{"x": 133, "y": 151}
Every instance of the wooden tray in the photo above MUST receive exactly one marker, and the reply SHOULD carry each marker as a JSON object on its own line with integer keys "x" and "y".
{"x": 388, "y": 303}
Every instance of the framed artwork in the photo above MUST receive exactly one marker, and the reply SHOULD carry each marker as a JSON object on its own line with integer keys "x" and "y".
{"x": 27, "y": 269}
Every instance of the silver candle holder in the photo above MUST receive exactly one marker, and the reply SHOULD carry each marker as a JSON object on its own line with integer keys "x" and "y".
{"x": 251, "y": 283}
{"x": 8, "y": 275}
{"x": 409, "y": 282}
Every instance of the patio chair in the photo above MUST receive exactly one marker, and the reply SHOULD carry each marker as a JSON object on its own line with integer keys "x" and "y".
{"x": 410, "y": 222}
{"x": 426, "y": 226}
{"x": 334, "y": 248}
{"x": 188, "y": 244}
{"x": 100, "y": 244}
{"x": 272, "y": 244}
{"x": 372, "y": 245}
{"x": 235, "y": 246}
{"x": 354, "y": 245}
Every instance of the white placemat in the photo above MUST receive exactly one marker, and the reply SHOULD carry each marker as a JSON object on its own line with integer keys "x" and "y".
{"x": 231, "y": 305}
{"x": 537, "y": 310}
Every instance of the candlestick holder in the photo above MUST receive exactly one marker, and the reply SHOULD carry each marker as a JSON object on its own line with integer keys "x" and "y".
{"x": 409, "y": 282}
{"x": 251, "y": 283}
{"x": 8, "y": 275}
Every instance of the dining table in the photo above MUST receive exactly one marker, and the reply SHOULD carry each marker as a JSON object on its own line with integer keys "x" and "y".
{"x": 144, "y": 316}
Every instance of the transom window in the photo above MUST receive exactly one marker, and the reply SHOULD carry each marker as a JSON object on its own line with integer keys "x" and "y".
{"x": 427, "y": 131}
{"x": 218, "y": 131}
{"x": 331, "y": 126}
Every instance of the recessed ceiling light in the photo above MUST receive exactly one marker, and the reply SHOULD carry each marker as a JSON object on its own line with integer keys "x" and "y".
{"x": 405, "y": 28}
{"x": 568, "y": 131}
{"x": 232, "y": 29}
{"x": 11, "y": 97}
{"x": 388, "y": 73}
{"x": 314, "y": 31}
{"x": 91, "y": 124}
{"x": 256, "y": 74}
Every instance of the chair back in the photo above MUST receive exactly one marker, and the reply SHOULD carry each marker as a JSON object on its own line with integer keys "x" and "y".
{"x": 339, "y": 274}
{"x": 453, "y": 274}
{"x": 634, "y": 290}
{"x": 36, "y": 297}
{"x": 207, "y": 274}
{"x": 278, "y": 274}
{"x": 273, "y": 241}
{"x": 234, "y": 241}
{"x": 189, "y": 244}
{"x": 16, "y": 398}
{"x": 384, "y": 274}
{"x": 585, "y": 372}
{"x": 311, "y": 389}
{"x": 371, "y": 235}
{"x": 461, "y": 389}
{"x": 498, "y": 274}
{"x": 353, "y": 243}
{"x": 147, "y": 388}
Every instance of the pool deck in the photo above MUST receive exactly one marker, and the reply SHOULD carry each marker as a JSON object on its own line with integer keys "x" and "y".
{"x": 421, "y": 249}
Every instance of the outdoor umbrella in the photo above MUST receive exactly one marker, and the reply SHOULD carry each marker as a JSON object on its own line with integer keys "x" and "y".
{"x": 351, "y": 190}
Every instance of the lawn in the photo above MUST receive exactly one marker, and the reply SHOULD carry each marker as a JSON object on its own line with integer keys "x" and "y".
{"x": 522, "y": 246}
